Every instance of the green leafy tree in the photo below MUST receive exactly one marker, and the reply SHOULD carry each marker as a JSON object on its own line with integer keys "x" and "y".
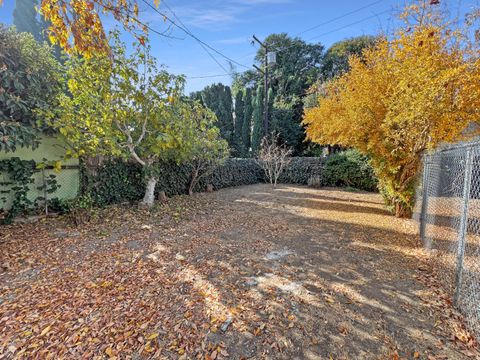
{"x": 126, "y": 107}
{"x": 206, "y": 147}
{"x": 297, "y": 68}
{"x": 336, "y": 58}
{"x": 25, "y": 18}
{"x": 239, "y": 115}
{"x": 247, "y": 121}
{"x": 258, "y": 116}
{"x": 30, "y": 81}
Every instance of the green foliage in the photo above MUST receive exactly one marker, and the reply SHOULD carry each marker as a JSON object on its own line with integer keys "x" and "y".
{"x": 235, "y": 172}
{"x": 20, "y": 174}
{"x": 13, "y": 134}
{"x": 81, "y": 209}
{"x": 118, "y": 181}
{"x": 335, "y": 61}
{"x": 218, "y": 98}
{"x": 247, "y": 122}
{"x": 123, "y": 105}
{"x": 301, "y": 169}
{"x": 30, "y": 82}
{"x": 115, "y": 181}
{"x": 297, "y": 68}
{"x": 290, "y": 132}
{"x": 25, "y": 18}
{"x": 49, "y": 186}
{"x": 207, "y": 149}
{"x": 349, "y": 169}
{"x": 257, "y": 118}
{"x": 239, "y": 147}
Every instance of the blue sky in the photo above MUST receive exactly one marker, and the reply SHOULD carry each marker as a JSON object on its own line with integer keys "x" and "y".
{"x": 228, "y": 25}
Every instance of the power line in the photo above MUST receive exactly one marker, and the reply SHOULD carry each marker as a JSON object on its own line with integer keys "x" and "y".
{"x": 348, "y": 25}
{"x": 337, "y": 29}
{"x": 314, "y": 37}
{"x": 186, "y": 28}
{"x": 329, "y": 21}
{"x": 137, "y": 20}
{"x": 339, "y": 17}
{"x": 166, "y": 18}
{"x": 210, "y": 76}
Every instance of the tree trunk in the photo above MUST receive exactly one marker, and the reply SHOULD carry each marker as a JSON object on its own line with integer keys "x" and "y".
{"x": 149, "y": 197}
{"x": 162, "y": 197}
{"x": 193, "y": 182}
{"x": 403, "y": 210}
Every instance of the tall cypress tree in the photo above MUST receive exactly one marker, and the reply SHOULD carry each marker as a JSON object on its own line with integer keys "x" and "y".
{"x": 247, "y": 121}
{"x": 239, "y": 114}
{"x": 218, "y": 98}
{"x": 227, "y": 105}
{"x": 25, "y": 18}
{"x": 257, "y": 134}
{"x": 271, "y": 100}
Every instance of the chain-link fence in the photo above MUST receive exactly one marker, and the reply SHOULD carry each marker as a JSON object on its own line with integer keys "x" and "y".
{"x": 45, "y": 191}
{"x": 448, "y": 211}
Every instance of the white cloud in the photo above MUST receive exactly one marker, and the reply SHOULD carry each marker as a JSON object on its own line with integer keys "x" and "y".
{"x": 220, "y": 14}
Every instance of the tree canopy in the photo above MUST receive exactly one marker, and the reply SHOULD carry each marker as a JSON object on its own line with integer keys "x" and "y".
{"x": 335, "y": 61}
{"x": 30, "y": 81}
{"x": 125, "y": 105}
{"x": 297, "y": 68}
{"x": 218, "y": 98}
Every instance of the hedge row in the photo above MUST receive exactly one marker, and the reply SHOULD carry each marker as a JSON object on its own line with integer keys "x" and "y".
{"x": 117, "y": 181}
{"x": 301, "y": 169}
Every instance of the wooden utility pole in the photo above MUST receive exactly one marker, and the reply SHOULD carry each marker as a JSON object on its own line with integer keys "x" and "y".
{"x": 265, "y": 75}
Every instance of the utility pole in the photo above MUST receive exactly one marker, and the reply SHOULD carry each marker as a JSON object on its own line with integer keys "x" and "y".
{"x": 267, "y": 58}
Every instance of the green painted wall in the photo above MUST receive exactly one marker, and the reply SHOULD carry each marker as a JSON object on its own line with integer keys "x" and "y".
{"x": 51, "y": 148}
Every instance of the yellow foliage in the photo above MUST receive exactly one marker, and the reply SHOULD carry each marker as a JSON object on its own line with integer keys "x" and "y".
{"x": 76, "y": 25}
{"x": 407, "y": 95}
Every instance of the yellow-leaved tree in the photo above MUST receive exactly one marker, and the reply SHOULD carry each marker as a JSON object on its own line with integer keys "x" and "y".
{"x": 409, "y": 94}
{"x": 77, "y": 25}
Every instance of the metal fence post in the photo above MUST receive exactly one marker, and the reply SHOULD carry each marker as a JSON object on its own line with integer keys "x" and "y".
{"x": 45, "y": 191}
{"x": 423, "y": 211}
{"x": 463, "y": 225}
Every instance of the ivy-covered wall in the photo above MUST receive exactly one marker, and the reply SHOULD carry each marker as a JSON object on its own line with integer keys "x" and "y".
{"x": 51, "y": 149}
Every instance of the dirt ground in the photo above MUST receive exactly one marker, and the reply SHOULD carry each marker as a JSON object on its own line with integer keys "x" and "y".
{"x": 249, "y": 272}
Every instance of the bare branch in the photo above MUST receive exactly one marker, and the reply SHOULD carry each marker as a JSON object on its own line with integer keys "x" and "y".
{"x": 273, "y": 158}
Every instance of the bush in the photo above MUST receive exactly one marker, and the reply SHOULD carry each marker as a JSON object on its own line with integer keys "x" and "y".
{"x": 115, "y": 181}
{"x": 80, "y": 209}
{"x": 234, "y": 172}
{"x": 301, "y": 169}
{"x": 349, "y": 169}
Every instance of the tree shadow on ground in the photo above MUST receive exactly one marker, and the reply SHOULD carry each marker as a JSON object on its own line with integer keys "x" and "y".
{"x": 350, "y": 288}
{"x": 297, "y": 283}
